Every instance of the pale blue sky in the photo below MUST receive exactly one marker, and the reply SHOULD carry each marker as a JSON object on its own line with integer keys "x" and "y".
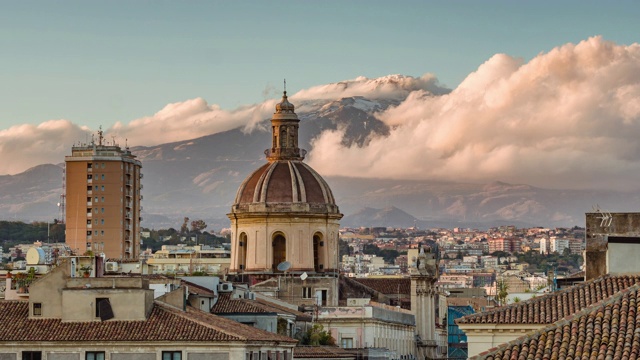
{"x": 97, "y": 62}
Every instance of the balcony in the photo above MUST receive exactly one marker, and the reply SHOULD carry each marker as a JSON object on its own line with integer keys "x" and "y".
{"x": 128, "y": 183}
{"x": 128, "y": 250}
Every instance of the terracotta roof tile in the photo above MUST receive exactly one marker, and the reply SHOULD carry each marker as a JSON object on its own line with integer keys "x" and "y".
{"x": 605, "y": 330}
{"x": 164, "y": 324}
{"x": 552, "y": 307}
{"x": 197, "y": 289}
{"x": 227, "y": 305}
{"x": 322, "y": 352}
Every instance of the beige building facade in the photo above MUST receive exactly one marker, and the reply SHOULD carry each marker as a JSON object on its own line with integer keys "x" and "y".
{"x": 102, "y": 200}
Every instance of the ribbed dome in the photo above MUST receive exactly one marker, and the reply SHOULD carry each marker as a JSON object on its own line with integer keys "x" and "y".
{"x": 284, "y": 185}
{"x": 284, "y": 106}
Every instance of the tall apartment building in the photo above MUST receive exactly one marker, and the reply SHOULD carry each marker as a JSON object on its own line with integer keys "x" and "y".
{"x": 103, "y": 200}
{"x": 510, "y": 245}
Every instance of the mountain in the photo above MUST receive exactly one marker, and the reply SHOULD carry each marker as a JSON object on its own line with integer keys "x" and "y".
{"x": 198, "y": 178}
{"x": 390, "y": 217}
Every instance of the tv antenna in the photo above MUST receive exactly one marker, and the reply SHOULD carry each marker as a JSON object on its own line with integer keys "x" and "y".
{"x": 606, "y": 217}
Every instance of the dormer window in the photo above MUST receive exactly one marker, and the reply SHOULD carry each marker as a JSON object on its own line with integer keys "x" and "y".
{"x": 37, "y": 309}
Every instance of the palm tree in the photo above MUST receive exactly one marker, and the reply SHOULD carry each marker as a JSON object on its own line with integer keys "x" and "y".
{"x": 502, "y": 291}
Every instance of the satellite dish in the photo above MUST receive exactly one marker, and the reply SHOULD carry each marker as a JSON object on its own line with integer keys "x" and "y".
{"x": 284, "y": 266}
{"x": 304, "y": 276}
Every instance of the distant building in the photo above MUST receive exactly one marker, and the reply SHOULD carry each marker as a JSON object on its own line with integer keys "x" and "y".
{"x": 102, "y": 198}
{"x": 510, "y": 245}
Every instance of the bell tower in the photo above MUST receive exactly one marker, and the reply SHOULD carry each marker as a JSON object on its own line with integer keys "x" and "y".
{"x": 284, "y": 133}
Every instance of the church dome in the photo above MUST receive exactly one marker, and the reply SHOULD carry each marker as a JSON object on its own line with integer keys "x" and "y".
{"x": 286, "y": 185}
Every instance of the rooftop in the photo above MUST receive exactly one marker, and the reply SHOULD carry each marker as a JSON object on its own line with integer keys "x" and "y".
{"x": 165, "y": 323}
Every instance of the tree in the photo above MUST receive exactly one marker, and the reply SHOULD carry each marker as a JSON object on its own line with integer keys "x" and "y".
{"x": 344, "y": 248}
{"x": 198, "y": 225}
{"x": 502, "y": 291}
{"x": 184, "y": 229}
{"x": 317, "y": 335}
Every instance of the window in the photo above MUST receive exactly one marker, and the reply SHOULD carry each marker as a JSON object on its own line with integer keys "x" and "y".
{"x": 94, "y": 355}
{"x": 32, "y": 355}
{"x": 306, "y": 293}
{"x": 172, "y": 355}
{"x": 102, "y": 176}
{"x": 102, "y": 188}
{"x": 102, "y": 165}
{"x": 347, "y": 343}
{"x": 95, "y": 199}
{"x": 102, "y": 232}
{"x": 101, "y": 221}
{"x": 103, "y": 309}
{"x": 102, "y": 209}
{"x": 102, "y": 199}
{"x": 89, "y": 177}
{"x": 37, "y": 309}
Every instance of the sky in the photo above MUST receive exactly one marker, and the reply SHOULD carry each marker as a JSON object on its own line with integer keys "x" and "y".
{"x": 140, "y": 68}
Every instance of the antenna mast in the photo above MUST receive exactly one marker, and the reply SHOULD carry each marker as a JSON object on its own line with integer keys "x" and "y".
{"x": 61, "y": 204}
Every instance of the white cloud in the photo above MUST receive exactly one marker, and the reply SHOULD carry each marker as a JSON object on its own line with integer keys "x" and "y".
{"x": 24, "y": 146}
{"x": 568, "y": 118}
{"x": 188, "y": 120}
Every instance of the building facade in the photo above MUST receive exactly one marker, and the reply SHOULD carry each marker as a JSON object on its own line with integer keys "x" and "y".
{"x": 102, "y": 200}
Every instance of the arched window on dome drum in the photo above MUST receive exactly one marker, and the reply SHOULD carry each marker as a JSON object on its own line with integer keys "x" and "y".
{"x": 242, "y": 251}
{"x": 283, "y": 138}
{"x": 317, "y": 244}
{"x": 279, "y": 250}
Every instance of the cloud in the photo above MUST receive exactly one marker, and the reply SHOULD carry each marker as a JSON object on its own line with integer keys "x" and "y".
{"x": 569, "y": 118}
{"x": 188, "y": 120}
{"x": 391, "y": 87}
{"x": 24, "y": 146}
